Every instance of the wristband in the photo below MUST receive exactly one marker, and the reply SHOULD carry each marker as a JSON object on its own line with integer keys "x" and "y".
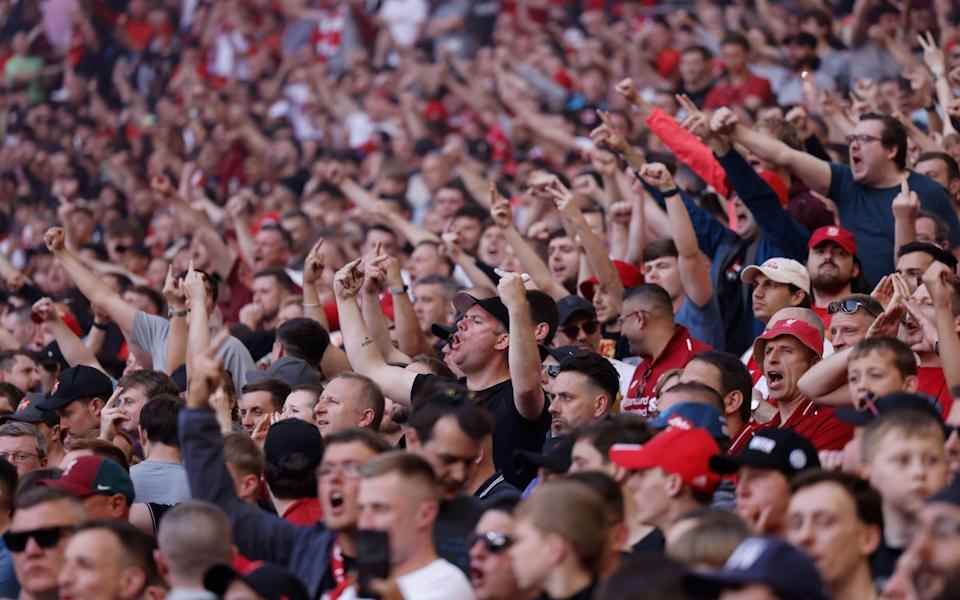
{"x": 311, "y": 304}
{"x": 103, "y": 326}
{"x": 177, "y": 313}
{"x": 396, "y": 291}
{"x": 672, "y": 192}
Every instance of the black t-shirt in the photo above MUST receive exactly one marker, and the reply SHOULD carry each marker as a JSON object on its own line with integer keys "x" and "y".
{"x": 883, "y": 561}
{"x": 511, "y": 432}
{"x": 584, "y": 594}
{"x": 652, "y": 542}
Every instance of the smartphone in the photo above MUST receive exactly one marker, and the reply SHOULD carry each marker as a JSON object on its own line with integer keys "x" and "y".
{"x": 373, "y": 560}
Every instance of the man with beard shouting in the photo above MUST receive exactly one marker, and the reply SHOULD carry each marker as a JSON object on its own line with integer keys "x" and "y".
{"x": 833, "y": 266}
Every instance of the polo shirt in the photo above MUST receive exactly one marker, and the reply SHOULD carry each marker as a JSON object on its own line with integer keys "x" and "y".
{"x": 816, "y": 423}
{"x": 679, "y": 351}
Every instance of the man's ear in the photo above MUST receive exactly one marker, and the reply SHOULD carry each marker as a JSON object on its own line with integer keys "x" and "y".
{"x": 732, "y": 402}
{"x": 96, "y": 405}
{"x": 673, "y": 485}
{"x": 366, "y": 418}
{"x": 911, "y": 383}
{"x": 503, "y": 342}
{"x": 601, "y": 405}
{"x": 798, "y": 297}
{"x": 540, "y": 332}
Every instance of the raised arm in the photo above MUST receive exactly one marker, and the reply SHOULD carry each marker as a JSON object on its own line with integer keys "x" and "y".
{"x": 198, "y": 333}
{"x": 906, "y": 209}
{"x": 365, "y": 357}
{"x": 334, "y": 359}
{"x": 942, "y": 285}
{"x": 74, "y": 351}
{"x": 826, "y": 381}
{"x": 238, "y": 208}
{"x": 523, "y": 356}
{"x": 90, "y": 284}
{"x": 476, "y": 275}
{"x": 374, "y": 282}
{"x": 177, "y": 338}
{"x": 411, "y": 339}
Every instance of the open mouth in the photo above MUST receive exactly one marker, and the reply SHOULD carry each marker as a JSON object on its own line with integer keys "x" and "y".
{"x": 774, "y": 378}
{"x": 336, "y": 499}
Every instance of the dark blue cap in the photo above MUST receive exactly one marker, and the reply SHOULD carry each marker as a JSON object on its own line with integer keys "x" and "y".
{"x": 689, "y": 415}
{"x": 785, "y": 569}
{"x": 78, "y": 383}
{"x": 948, "y": 495}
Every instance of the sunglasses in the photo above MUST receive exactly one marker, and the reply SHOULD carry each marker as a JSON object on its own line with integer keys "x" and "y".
{"x": 850, "y": 307}
{"x": 572, "y": 331}
{"x": 553, "y": 371}
{"x": 47, "y": 537}
{"x": 494, "y": 542}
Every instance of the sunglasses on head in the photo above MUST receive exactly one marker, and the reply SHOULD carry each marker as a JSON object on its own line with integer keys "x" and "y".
{"x": 850, "y": 307}
{"x": 573, "y": 330}
{"x": 47, "y": 537}
{"x": 494, "y": 542}
{"x": 553, "y": 371}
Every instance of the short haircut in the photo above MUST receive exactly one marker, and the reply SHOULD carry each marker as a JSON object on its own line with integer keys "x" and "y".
{"x": 138, "y": 547}
{"x": 906, "y": 422}
{"x": 434, "y": 364}
{"x": 15, "y": 394}
{"x": 19, "y": 429}
{"x": 153, "y": 382}
{"x": 193, "y": 536}
{"x": 305, "y": 339}
{"x": 953, "y": 168}
{"x": 243, "y": 453}
{"x": 936, "y": 252}
{"x": 646, "y": 576}
{"x": 695, "y": 391}
{"x": 543, "y": 309}
{"x": 407, "y": 465}
{"x": 607, "y": 489}
{"x": 734, "y": 376}
{"x": 8, "y": 486}
{"x": 583, "y": 512}
{"x": 474, "y": 421}
{"x": 369, "y": 395}
{"x": 103, "y": 449}
{"x": 867, "y": 500}
{"x": 279, "y": 274}
{"x": 287, "y": 238}
{"x": 894, "y": 135}
{"x": 153, "y": 295}
{"x": 655, "y": 297}
{"x": 470, "y": 211}
{"x": 158, "y": 419}
{"x": 596, "y": 368}
{"x": 870, "y": 303}
{"x": 8, "y": 359}
{"x": 357, "y": 435}
{"x": 711, "y": 540}
{"x": 738, "y": 39}
{"x": 449, "y": 285}
{"x": 662, "y": 248}
{"x": 701, "y": 50}
{"x": 614, "y": 429}
{"x": 904, "y": 359}
{"x": 35, "y": 495}
{"x": 277, "y": 389}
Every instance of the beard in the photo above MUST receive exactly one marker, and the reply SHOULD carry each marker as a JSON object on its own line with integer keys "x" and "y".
{"x": 831, "y": 282}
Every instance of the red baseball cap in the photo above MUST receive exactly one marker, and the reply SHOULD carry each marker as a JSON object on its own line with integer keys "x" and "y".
{"x": 807, "y": 334}
{"x": 91, "y": 476}
{"x": 684, "y": 452}
{"x": 630, "y": 276}
{"x": 837, "y": 235}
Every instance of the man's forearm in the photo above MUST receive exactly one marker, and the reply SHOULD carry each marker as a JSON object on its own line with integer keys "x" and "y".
{"x": 826, "y": 376}
{"x": 533, "y": 264}
{"x": 524, "y": 361}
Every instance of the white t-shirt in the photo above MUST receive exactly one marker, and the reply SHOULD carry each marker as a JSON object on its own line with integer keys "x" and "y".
{"x": 439, "y": 580}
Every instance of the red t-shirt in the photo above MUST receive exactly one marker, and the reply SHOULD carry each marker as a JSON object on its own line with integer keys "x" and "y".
{"x": 816, "y": 423}
{"x": 305, "y": 512}
{"x": 932, "y": 383}
{"x": 681, "y": 348}
{"x": 726, "y": 93}
{"x": 826, "y": 317}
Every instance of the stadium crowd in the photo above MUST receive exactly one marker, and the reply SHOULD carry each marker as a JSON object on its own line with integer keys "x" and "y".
{"x": 479, "y": 299}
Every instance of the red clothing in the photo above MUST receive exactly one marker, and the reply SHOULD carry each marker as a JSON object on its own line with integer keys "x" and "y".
{"x": 816, "y": 423}
{"x": 742, "y": 439}
{"x": 826, "y": 317}
{"x": 689, "y": 150}
{"x": 932, "y": 383}
{"x": 305, "y": 512}
{"x": 678, "y": 352}
{"x": 726, "y": 93}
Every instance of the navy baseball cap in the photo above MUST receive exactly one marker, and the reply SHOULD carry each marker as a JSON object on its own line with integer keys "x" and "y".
{"x": 688, "y": 415}
{"x": 554, "y": 458}
{"x": 77, "y": 383}
{"x": 782, "y": 450}
{"x": 785, "y": 569}
{"x": 573, "y": 305}
{"x": 884, "y": 404}
{"x": 29, "y": 412}
{"x": 293, "y": 436}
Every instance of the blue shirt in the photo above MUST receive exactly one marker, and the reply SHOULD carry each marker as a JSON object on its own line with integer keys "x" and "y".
{"x": 9, "y": 586}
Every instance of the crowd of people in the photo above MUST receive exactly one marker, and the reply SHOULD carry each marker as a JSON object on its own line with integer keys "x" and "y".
{"x": 479, "y": 299}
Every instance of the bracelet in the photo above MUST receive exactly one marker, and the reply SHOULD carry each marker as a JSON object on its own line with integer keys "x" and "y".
{"x": 103, "y": 326}
{"x": 177, "y": 313}
{"x": 672, "y": 192}
{"x": 311, "y": 304}
{"x": 396, "y": 291}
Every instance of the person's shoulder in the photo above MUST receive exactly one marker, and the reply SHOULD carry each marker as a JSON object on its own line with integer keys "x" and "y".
{"x": 440, "y": 575}
{"x": 925, "y": 186}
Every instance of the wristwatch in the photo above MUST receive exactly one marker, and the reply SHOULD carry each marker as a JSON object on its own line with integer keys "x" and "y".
{"x": 396, "y": 291}
{"x": 177, "y": 313}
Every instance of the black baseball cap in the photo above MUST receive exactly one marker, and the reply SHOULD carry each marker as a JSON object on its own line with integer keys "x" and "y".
{"x": 573, "y": 305}
{"x": 891, "y": 402}
{"x": 77, "y": 383}
{"x": 268, "y": 581}
{"x": 291, "y": 436}
{"x": 29, "y": 412}
{"x": 562, "y": 353}
{"x": 782, "y": 450}
{"x": 600, "y": 370}
{"x": 494, "y": 306}
{"x": 554, "y": 458}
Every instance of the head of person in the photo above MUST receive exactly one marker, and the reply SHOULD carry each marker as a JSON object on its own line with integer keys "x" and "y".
{"x": 915, "y": 258}
{"x": 942, "y": 168}
{"x": 592, "y": 443}
{"x": 338, "y": 474}
{"x": 878, "y": 149}
{"x": 297, "y": 223}
{"x": 468, "y": 224}
{"x": 95, "y": 447}
{"x": 301, "y": 338}
{"x": 272, "y": 247}
{"x": 43, "y": 520}
{"x": 427, "y": 259}
{"x": 245, "y": 462}
{"x": 578, "y": 324}
{"x": 704, "y": 538}
{"x": 851, "y": 318}
{"x": 449, "y": 430}
{"x": 270, "y": 288}
{"x": 546, "y": 547}
{"x": 695, "y": 67}
{"x": 764, "y": 470}
{"x": 777, "y": 283}
{"x": 584, "y": 389}
{"x": 136, "y": 388}
{"x": 482, "y": 334}
{"x": 491, "y": 570}
{"x": 349, "y": 400}
{"x": 932, "y": 229}
{"x": 935, "y": 543}
{"x": 302, "y": 402}
{"x": 193, "y": 536}
{"x": 563, "y": 258}
{"x": 292, "y": 451}
{"x": 108, "y": 559}
{"x": 735, "y": 50}
{"x": 661, "y": 266}
{"x": 878, "y": 366}
{"x": 399, "y": 494}
{"x": 832, "y": 262}
{"x": 904, "y": 458}
{"x": 22, "y": 445}
{"x": 728, "y": 377}
{"x": 837, "y": 518}
{"x": 10, "y": 397}
{"x": 645, "y": 576}
{"x": 382, "y": 236}
{"x": 647, "y": 313}
{"x": 17, "y": 322}
{"x": 259, "y": 400}
{"x": 433, "y": 300}
{"x": 693, "y": 404}
{"x": 9, "y": 481}
{"x": 104, "y": 486}
{"x": 20, "y": 369}
{"x": 78, "y": 397}
{"x": 263, "y": 582}
{"x": 670, "y": 474}
{"x": 785, "y": 351}
{"x": 618, "y": 530}
{"x": 158, "y": 422}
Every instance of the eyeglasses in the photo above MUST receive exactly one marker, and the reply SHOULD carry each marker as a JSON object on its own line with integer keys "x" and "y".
{"x": 349, "y": 469}
{"x": 494, "y": 542}
{"x": 17, "y": 457}
{"x": 624, "y": 318}
{"x": 573, "y": 330}
{"x": 850, "y": 307}
{"x": 46, "y": 537}
{"x": 862, "y": 138}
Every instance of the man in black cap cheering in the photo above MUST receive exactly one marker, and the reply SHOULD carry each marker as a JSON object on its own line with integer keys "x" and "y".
{"x": 78, "y": 397}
